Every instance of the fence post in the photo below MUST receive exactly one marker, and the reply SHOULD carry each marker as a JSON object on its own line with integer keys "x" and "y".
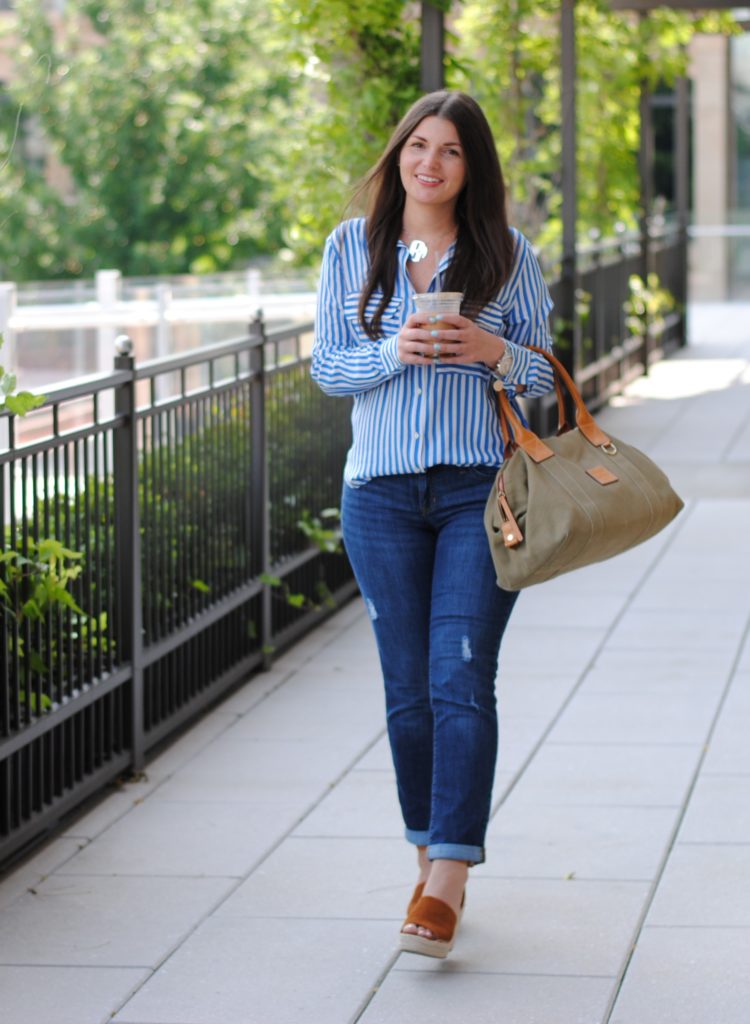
{"x": 432, "y": 73}
{"x": 128, "y": 541}
{"x": 646, "y": 171}
{"x": 682, "y": 195}
{"x": 259, "y": 494}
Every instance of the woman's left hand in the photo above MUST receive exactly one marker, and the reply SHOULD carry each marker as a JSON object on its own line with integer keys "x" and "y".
{"x": 469, "y": 342}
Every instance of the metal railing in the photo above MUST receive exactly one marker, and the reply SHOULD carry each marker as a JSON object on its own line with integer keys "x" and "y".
{"x": 181, "y": 484}
{"x": 606, "y": 353}
{"x": 173, "y": 491}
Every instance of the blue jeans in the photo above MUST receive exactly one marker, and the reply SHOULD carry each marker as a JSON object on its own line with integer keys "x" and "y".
{"x": 420, "y": 554}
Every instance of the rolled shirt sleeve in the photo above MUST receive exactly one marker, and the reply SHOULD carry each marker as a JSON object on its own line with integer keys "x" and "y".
{"x": 343, "y": 363}
{"x": 527, "y": 323}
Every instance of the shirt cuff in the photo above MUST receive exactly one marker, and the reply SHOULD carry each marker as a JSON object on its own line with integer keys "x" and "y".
{"x": 520, "y": 361}
{"x": 389, "y": 355}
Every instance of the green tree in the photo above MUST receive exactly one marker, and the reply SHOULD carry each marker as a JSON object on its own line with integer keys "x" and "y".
{"x": 166, "y": 118}
{"x": 34, "y": 228}
{"x": 357, "y": 65}
{"x": 200, "y": 135}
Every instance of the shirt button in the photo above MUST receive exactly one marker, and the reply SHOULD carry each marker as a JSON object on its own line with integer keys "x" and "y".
{"x": 416, "y": 433}
{"x": 419, "y": 391}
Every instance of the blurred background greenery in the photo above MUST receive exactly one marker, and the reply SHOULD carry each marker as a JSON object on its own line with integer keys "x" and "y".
{"x": 202, "y": 136}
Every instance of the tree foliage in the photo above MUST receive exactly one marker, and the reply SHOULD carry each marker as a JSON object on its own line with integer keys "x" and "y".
{"x": 164, "y": 116}
{"x": 201, "y": 135}
{"x": 357, "y": 68}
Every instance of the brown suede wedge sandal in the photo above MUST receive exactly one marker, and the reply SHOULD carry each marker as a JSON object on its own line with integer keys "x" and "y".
{"x": 436, "y": 915}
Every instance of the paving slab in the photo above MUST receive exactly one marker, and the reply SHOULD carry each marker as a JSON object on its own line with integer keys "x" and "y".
{"x": 245, "y": 970}
{"x": 563, "y": 650}
{"x": 530, "y": 840}
{"x": 99, "y": 815}
{"x": 672, "y": 662}
{"x": 66, "y": 995}
{"x": 364, "y": 878}
{"x": 262, "y": 771}
{"x": 637, "y": 673}
{"x": 310, "y": 709}
{"x": 554, "y": 604}
{"x": 534, "y": 695}
{"x": 362, "y": 804}
{"x": 204, "y": 839}
{"x": 611, "y": 775}
{"x": 719, "y": 811}
{"x": 95, "y": 921}
{"x": 702, "y": 629}
{"x": 447, "y": 995}
{"x": 32, "y": 872}
{"x": 728, "y": 749}
{"x": 698, "y": 975}
{"x": 620, "y": 717}
{"x": 704, "y": 885}
{"x": 519, "y": 738}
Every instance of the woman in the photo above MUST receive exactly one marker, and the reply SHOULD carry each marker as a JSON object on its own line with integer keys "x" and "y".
{"x": 426, "y": 447}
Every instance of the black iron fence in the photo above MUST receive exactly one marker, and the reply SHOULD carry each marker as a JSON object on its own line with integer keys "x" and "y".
{"x": 630, "y": 310}
{"x": 156, "y": 523}
{"x": 153, "y": 556}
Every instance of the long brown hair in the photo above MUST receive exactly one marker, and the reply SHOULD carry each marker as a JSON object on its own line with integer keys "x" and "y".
{"x": 484, "y": 246}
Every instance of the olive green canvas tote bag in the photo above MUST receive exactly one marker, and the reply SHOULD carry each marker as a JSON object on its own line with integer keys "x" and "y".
{"x": 563, "y": 502}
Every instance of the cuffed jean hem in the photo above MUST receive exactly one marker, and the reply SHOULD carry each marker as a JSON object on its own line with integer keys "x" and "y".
{"x": 456, "y": 851}
{"x": 445, "y": 851}
{"x": 417, "y": 838}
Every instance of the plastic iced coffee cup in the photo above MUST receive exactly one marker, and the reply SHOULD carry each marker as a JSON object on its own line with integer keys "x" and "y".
{"x": 435, "y": 303}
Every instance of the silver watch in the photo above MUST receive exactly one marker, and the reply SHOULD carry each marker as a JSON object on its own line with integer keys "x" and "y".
{"x": 504, "y": 363}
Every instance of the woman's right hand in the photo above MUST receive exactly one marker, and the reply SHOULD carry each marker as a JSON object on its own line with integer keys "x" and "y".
{"x": 417, "y": 346}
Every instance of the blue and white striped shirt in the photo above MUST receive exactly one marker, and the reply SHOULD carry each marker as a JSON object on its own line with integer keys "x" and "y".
{"x": 407, "y": 418}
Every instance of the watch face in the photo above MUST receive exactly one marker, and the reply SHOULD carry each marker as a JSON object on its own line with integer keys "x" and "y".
{"x": 504, "y": 363}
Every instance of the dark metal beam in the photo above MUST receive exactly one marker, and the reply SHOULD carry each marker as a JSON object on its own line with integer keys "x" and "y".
{"x": 682, "y": 187}
{"x": 433, "y": 45}
{"x": 566, "y": 307}
{"x": 646, "y": 171}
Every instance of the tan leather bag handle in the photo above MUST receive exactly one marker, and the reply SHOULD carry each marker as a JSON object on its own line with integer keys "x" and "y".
{"x": 515, "y": 434}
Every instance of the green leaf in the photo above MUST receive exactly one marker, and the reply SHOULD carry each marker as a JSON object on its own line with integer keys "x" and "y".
{"x": 37, "y": 665}
{"x": 23, "y": 403}
{"x": 31, "y": 610}
{"x": 200, "y": 585}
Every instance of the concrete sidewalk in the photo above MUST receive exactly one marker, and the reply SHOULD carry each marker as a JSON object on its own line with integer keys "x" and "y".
{"x": 257, "y": 875}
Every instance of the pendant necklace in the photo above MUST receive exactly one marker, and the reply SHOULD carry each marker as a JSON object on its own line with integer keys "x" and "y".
{"x": 419, "y": 250}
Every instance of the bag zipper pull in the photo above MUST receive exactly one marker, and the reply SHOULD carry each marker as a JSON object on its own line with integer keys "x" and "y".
{"x": 512, "y": 535}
